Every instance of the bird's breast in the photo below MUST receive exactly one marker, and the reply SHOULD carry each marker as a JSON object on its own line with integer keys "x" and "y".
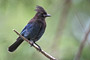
{"x": 41, "y": 23}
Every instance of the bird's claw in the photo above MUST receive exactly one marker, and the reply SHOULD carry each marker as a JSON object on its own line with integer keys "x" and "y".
{"x": 31, "y": 43}
{"x": 39, "y": 48}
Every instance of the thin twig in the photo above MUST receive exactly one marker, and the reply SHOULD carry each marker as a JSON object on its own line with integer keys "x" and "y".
{"x": 78, "y": 55}
{"x": 36, "y": 47}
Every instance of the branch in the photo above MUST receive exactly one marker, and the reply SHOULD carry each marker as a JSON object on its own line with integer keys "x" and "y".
{"x": 78, "y": 55}
{"x": 36, "y": 47}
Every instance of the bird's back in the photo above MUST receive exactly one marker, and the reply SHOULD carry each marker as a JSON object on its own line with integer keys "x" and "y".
{"x": 34, "y": 30}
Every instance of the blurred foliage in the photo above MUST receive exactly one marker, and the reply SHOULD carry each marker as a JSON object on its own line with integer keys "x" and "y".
{"x": 14, "y": 14}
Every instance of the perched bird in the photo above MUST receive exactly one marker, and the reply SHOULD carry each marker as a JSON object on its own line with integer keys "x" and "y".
{"x": 33, "y": 30}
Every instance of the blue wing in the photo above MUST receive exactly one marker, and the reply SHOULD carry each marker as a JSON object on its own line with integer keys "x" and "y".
{"x": 41, "y": 33}
{"x": 31, "y": 30}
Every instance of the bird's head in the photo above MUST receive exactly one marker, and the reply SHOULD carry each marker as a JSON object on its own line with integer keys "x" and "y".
{"x": 41, "y": 12}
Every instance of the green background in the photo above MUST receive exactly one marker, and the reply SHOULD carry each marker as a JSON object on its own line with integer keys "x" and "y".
{"x": 65, "y": 29}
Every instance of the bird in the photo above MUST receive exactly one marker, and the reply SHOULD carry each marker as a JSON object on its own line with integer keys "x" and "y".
{"x": 34, "y": 29}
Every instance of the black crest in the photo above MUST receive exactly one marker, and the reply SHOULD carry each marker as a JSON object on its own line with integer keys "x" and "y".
{"x": 40, "y": 9}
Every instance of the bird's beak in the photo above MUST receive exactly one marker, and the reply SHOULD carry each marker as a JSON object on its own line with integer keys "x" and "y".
{"x": 48, "y": 15}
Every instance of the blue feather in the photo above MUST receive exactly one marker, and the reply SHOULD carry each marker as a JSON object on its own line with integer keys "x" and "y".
{"x": 31, "y": 30}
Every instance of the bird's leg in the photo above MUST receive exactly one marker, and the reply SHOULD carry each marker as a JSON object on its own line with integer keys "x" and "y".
{"x": 38, "y": 46}
{"x": 32, "y": 43}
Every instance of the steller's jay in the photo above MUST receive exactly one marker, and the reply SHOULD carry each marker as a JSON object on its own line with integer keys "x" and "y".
{"x": 33, "y": 30}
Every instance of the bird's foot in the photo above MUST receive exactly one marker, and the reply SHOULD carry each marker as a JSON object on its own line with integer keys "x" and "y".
{"x": 31, "y": 43}
{"x": 39, "y": 48}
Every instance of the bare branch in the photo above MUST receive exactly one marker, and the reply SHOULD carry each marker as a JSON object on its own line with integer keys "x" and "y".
{"x": 77, "y": 57}
{"x": 36, "y": 47}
